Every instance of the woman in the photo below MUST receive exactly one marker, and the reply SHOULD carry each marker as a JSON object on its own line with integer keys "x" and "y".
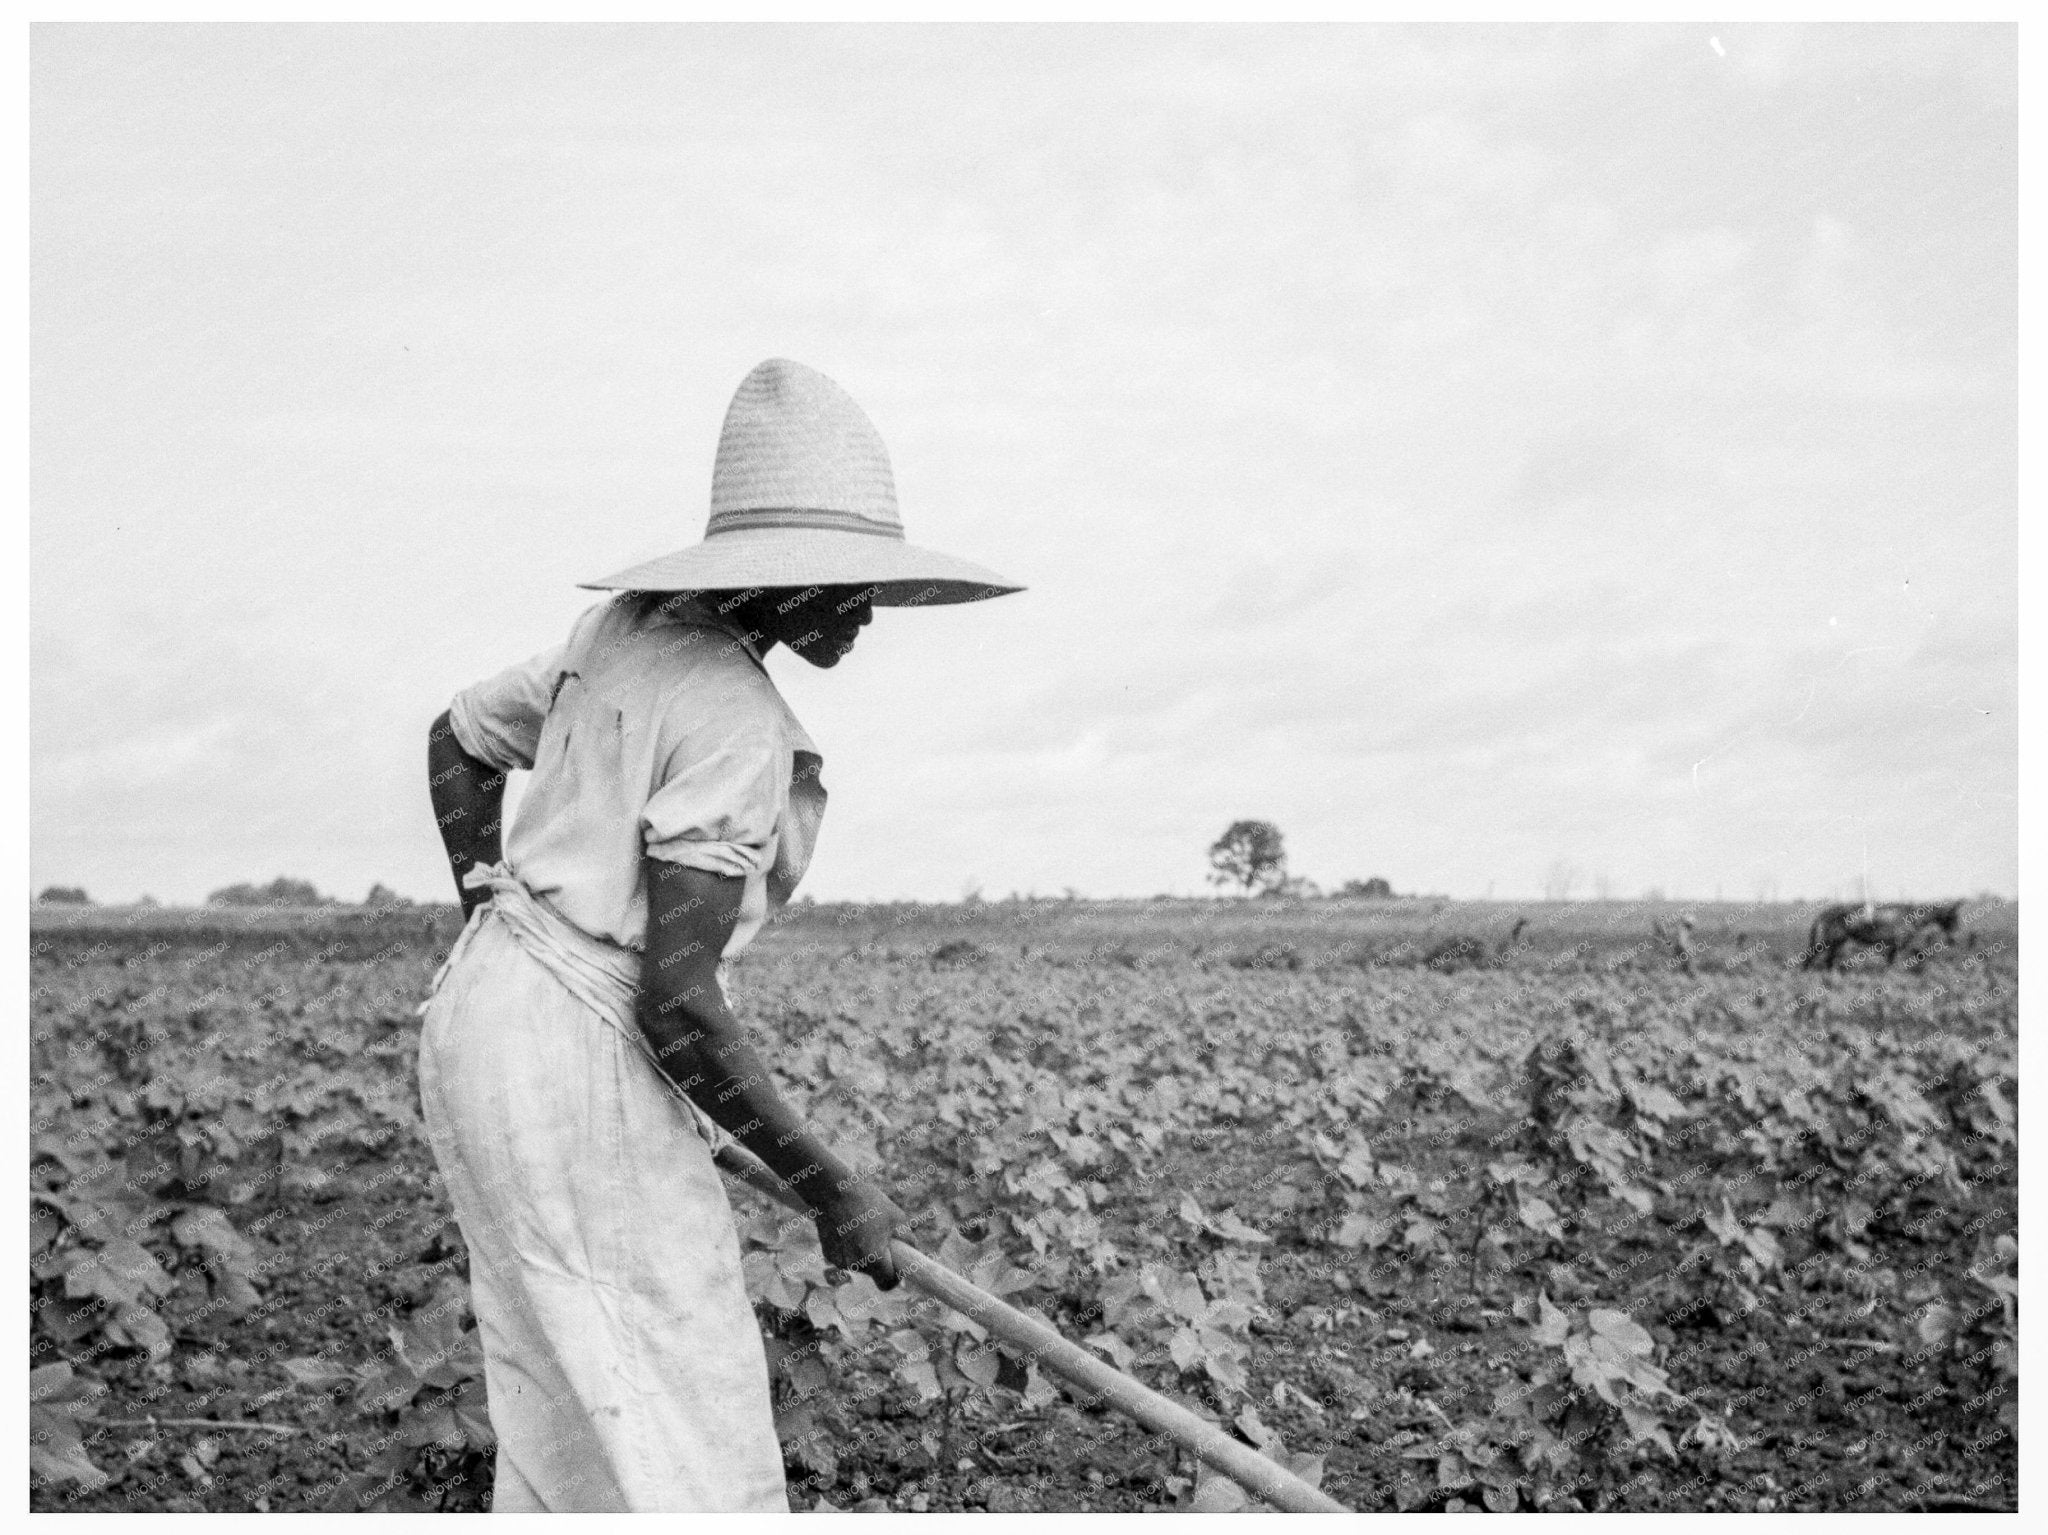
{"x": 579, "y": 1059}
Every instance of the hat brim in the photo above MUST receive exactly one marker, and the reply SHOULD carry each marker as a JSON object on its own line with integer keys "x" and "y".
{"x": 905, "y": 575}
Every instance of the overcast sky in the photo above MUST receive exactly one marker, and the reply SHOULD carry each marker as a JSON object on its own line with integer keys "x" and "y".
{"x": 1471, "y": 449}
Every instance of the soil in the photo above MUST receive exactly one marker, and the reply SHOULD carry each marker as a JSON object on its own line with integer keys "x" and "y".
{"x": 1363, "y": 1358}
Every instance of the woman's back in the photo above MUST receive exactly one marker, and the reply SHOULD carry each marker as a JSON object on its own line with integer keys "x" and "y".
{"x": 654, "y": 726}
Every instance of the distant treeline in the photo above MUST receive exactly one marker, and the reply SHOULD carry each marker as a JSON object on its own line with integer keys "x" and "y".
{"x": 296, "y": 892}
{"x": 279, "y": 892}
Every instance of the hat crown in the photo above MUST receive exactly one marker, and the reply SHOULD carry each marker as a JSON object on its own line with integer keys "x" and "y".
{"x": 802, "y": 495}
{"x": 794, "y": 441}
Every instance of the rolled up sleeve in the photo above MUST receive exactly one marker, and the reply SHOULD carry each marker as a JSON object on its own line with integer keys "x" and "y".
{"x": 718, "y": 807}
{"x": 499, "y": 720}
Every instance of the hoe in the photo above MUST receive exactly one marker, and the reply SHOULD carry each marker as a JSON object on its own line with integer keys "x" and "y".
{"x": 1094, "y": 1379}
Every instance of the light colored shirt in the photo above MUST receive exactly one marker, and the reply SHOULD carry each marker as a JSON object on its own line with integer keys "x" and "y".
{"x": 654, "y": 729}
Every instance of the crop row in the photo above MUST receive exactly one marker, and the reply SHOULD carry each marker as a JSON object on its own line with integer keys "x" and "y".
{"x": 1117, "y": 1149}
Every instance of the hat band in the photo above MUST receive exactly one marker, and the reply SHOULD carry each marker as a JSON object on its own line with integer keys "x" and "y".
{"x": 798, "y": 517}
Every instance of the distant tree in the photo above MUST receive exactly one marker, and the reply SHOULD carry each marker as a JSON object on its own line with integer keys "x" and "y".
{"x": 1374, "y": 889}
{"x": 145, "y": 900}
{"x": 279, "y": 892}
{"x": 1559, "y": 882}
{"x": 1249, "y": 854}
{"x": 381, "y": 895}
{"x": 64, "y": 895}
{"x": 1298, "y": 885}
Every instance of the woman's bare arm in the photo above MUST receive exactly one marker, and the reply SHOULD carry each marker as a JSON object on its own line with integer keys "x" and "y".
{"x": 706, "y": 1052}
{"x": 469, "y": 805}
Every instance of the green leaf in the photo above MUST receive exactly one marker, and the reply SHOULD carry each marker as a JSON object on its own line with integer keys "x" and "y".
{"x": 1762, "y": 1245}
{"x": 808, "y": 1376}
{"x": 69, "y": 1321}
{"x": 1620, "y": 1329}
{"x": 1228, "y": 1226}
{"x": 435, "y": 1349}
{"x": 385, "y": 1388}
{"x": 947, "y": 1369}
{"x": 862, "y": 1302}
{"x": 1304, "y": 1465}
{"x": 139, "y": 1327}
{"x": 821, "y": 1310}
{"x": 57, "y": 1451}
{"x": 767, "y": 1280}
{"x": 1038, "y": 1391}
{"x": 473, "y": 1415}
{"x": 1119, "y": 1352}
{"x": 916, "y": 1366}
{"x": 237, "y": 1291}
{"x": 56, "y": 1387}
{"x": 1254, "y": 1428}
{"x": 1216, "y": 1493}
{"x": 1422, "y": 1235}
{"x": 315, "y": 1374}
{"x": 979, "y": 1362}
{"x": 120, "y": 1273}
{"x": 1634, "y": 1195}
{"x": 207, "y": 1227}
{"x": 1125, "y": 1302}
{"x": 1538, "y": 1216}
{"x": 1227, "y": 1370}
{"x": 437, "y": 1425}
{"x": 996, "y": 1274}
{"x": 1726, "y": 1229}
{"x": 1655, "y": 1102}
{"x": 1362, "y": 1230}
{"x": 1645, "y": 1426}
{"x": 1179, "y": 1292}
{"x": 75, "y": 1160}
{"x": 1938, "y": 1325}
{"x": 1784, "y": 1212}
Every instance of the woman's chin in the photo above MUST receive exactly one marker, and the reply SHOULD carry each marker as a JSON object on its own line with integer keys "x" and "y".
{"x": 828, "y": 656}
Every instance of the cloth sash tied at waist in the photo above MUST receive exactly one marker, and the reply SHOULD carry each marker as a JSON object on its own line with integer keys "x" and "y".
{"x": 602, "y": 976}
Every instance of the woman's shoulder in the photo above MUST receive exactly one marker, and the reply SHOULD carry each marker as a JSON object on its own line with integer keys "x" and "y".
{"x": 688, "y": 673}
{"x": 621, "y": 636}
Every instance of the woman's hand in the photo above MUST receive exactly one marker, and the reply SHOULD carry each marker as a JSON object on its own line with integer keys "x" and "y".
{"x": 855, "y": 1227}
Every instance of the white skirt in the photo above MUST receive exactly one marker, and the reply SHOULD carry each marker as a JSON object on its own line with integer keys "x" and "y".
{"x": 623, "y": 1361}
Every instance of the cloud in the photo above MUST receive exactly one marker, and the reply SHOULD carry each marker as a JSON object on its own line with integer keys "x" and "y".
{"x": 1475, "y": 444}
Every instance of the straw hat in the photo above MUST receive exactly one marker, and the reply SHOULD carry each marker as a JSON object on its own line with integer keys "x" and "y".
{"x": 802, "y": 496}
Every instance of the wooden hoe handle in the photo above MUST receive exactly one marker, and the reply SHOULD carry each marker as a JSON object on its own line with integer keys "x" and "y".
{"x": 1098, "y": 1380}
